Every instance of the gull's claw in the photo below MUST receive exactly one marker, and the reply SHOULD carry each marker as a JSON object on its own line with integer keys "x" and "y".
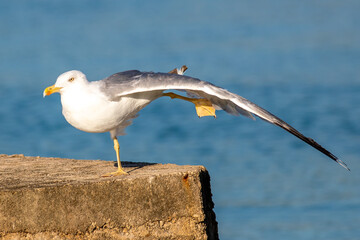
{"x": 117, "y": 173}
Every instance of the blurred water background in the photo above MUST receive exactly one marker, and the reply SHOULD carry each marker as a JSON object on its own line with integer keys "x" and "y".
{"x": 298, "y": 59}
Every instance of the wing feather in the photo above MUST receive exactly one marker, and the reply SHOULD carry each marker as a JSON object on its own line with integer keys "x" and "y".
{"x": 130, "y": 82}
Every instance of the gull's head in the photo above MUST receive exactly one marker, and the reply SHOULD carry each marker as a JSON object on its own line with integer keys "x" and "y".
{"x": 66, "y": 80}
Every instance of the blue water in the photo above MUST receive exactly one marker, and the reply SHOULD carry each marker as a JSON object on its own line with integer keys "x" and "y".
{"x": 298, "y": 59}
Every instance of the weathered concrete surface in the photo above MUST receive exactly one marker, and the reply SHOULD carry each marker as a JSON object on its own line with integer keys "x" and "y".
{"x": 52, "y": 198}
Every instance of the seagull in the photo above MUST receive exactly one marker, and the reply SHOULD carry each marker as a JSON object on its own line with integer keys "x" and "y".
{"x": 110, "y": 104}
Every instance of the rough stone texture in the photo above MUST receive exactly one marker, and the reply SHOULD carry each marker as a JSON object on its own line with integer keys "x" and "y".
{"x": 53, "y": 198}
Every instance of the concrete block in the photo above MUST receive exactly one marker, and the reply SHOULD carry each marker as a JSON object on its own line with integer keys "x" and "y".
{"x": 53, "y": 198}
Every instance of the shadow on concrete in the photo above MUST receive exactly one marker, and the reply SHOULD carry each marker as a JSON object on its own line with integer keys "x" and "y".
{"x": 134, "y": 165}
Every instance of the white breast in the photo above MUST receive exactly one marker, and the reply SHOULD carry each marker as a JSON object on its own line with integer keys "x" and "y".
{"x": 89, "y": 110}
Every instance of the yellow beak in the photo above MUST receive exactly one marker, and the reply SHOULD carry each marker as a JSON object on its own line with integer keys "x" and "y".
{"x": 50, "y": 90}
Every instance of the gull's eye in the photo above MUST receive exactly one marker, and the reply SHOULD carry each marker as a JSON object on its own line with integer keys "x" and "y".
{"x": 71, "y": 79}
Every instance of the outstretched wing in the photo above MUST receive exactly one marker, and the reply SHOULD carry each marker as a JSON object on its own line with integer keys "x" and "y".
{"x": 131, "y": 82}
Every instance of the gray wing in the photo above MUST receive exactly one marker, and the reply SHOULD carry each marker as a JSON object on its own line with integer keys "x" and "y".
{"x": 131, "y": 82}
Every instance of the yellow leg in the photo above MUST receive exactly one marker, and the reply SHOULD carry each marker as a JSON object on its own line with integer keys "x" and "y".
{"x": 203, "y": 106}
{"x": 120, "y": 170}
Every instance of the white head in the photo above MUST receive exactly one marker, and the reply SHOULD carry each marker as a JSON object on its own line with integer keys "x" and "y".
{"x": 65, "y": 80}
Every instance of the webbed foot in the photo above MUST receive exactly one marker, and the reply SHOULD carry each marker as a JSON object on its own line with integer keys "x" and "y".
{"x": 117, "y": 173}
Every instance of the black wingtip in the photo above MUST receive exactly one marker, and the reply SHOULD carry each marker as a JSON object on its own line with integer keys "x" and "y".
{"x": 342, "y": 164}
